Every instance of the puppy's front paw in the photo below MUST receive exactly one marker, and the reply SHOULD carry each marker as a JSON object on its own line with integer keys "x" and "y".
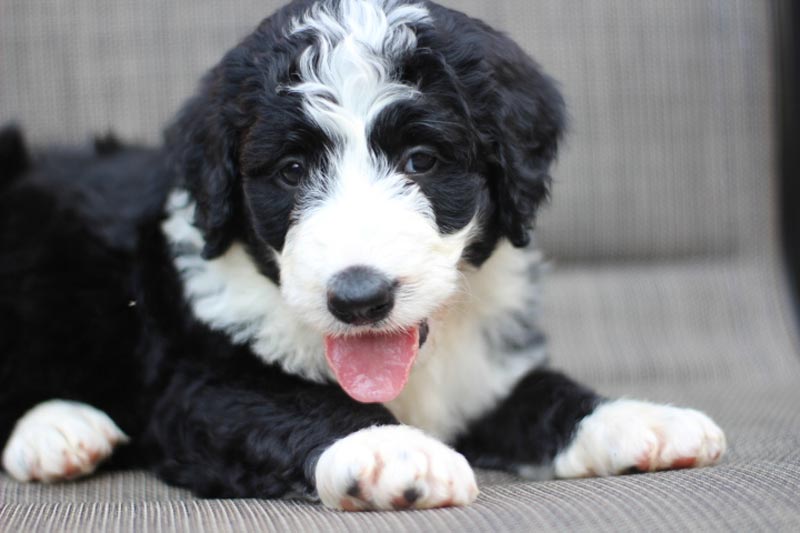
{"x": 58, "y": 440}
{"x": 393, "y": 467}
{"x": 627, "y": 435}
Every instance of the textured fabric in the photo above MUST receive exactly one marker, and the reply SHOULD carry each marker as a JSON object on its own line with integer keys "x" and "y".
{"x": 755, "y": 489}
{"x": 666, "y": 281}
{"x": 684, "y": 322}
{"x": 671, "y": 141}
{"x": 710, "y": 336}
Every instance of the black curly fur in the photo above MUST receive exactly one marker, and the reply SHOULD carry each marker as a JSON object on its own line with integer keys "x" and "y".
{"x": 92, "y": 308}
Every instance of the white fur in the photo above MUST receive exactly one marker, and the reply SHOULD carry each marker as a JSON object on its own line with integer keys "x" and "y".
{"x": 373, "y": 468}
{"x": 625, "y": 434}
{"x": 372, "y": 223}
{"x": 347, "y": 74}
{"x": 59, "y": 440}
{"x": 461, "y": 370}
{"x": 229, "y": 294}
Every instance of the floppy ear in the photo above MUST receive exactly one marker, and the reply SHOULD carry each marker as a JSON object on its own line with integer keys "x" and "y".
{"x": 523, "y": 126}
{"x": 202, "y": 146}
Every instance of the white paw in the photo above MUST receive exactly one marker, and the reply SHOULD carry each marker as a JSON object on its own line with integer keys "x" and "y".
{"x": 59, "y": 440}
{"x": 628, "y": 435}
{"x": 393, "y": 467}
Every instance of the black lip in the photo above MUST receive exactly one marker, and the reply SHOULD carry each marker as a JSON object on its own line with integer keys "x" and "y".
{"x": 424, "y": 329}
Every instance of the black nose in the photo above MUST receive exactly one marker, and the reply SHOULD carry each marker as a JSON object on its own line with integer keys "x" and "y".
{"x": 360, "y": 295}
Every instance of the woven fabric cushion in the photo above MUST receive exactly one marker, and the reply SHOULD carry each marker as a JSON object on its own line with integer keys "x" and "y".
{"x": 671, "y": 136}
{"x": 737, "y": 364}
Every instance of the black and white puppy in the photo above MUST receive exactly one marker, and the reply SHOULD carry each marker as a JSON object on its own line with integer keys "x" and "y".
{"x": 318, "y": 285}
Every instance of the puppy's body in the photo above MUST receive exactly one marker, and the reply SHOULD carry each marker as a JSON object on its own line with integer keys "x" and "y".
{"x": 329, "y": 249}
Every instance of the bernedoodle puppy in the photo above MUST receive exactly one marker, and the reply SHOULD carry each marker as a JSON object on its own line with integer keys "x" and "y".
{"x": 321, "y": 285}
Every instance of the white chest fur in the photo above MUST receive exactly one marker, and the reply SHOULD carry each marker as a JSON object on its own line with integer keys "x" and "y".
{"x": 462, "y": 370}
{"x": 465, "y": 367}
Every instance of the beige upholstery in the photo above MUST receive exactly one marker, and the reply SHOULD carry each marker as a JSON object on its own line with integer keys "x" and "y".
{"x": 666, "y": 279}
{"x": 671, "y": 145}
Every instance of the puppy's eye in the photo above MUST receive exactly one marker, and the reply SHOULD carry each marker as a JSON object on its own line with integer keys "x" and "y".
{"x": 419, "y": 161}
{"x": 292, "y": 172}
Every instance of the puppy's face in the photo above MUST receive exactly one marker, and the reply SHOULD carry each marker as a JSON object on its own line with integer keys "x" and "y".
{"x": 364, "y": 150}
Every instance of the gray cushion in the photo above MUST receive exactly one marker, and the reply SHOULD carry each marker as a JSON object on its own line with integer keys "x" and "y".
{"x": 710, "y": 336}
{"x": 755, "y": 489}
{"x": 741, "y": 496}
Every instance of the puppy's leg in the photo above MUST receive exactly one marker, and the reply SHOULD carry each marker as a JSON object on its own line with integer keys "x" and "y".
{"x": 551, "y": 426}
{"x": 261, "y": 433}
{"x": 58, "y": 440}
{"x": 628, "y": 435}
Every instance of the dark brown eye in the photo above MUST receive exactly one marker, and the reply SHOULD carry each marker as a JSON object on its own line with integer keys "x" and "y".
{"x": 419, "y": 162}
{"x": 292, "y": 172}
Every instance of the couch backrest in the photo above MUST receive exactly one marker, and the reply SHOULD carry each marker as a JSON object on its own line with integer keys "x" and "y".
{"x": 671, "y": 145}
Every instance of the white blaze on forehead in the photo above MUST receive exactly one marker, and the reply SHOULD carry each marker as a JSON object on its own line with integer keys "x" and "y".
{"x": 367, "y": 223}
{"x": 347, "y": 74}
{"x": 359, "y": 209}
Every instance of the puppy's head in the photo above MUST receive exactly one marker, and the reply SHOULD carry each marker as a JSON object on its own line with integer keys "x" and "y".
{"x": 363, "y": 151}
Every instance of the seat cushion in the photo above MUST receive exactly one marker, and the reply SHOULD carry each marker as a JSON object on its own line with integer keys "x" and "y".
{"x": 755, "y": 488}
{"x": 714, "y": 336}
{"x": 693, "y": 321}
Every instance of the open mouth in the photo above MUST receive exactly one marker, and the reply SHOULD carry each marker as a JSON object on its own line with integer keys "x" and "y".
{"x": 373, "y": 367}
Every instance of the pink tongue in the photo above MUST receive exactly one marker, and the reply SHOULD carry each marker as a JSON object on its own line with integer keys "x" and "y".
{"x": 373, "y": 367}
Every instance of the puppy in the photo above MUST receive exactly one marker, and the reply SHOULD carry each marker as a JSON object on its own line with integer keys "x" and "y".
{"x": 322, "y": 285}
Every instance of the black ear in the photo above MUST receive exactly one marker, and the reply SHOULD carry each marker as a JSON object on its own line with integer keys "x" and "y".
{"x": 524, "y": 124}
{"x": 202, "y": 146}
